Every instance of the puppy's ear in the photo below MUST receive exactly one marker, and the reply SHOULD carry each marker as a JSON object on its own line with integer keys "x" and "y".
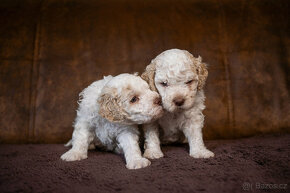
{"x": 110, "y": 108}
{"x": 149, "y": 75}
{"x": 202, "y": 73}
{"x": 201, "y": 69}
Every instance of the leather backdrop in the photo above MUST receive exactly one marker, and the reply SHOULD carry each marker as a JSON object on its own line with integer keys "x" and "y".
{"x": 50, "y": 50}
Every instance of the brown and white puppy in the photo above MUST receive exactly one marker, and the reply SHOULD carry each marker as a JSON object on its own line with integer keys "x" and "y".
{"x": 179, "y": 79}
{"x": 109, "y": 112}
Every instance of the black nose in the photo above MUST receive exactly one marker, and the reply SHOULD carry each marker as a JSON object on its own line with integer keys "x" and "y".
{"x": 178, "y": 101}
{"x": 157, "y": 101}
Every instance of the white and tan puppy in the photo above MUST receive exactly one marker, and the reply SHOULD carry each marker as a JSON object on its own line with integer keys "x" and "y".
{"x": 179, "y": 79}
{"x": 108, "y": 114}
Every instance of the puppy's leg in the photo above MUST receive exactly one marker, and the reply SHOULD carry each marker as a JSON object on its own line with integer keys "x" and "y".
{"x": 152, "y": 142}
{"x": 82, "y": 137}
{"x": 193, "y": 133}
{"x": 128, "y": 141}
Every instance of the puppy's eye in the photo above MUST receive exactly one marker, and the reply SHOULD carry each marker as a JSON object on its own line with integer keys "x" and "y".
{"x": 134, "y": 99}
{"x": 165, "y": 84}
{"x": 189, "y": 82}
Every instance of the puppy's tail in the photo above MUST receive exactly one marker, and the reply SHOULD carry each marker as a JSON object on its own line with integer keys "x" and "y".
{"x": 69, "y": 143}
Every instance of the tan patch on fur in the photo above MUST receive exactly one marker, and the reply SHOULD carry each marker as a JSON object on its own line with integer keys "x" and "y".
{"x": 202, "y": 75}
{"x": 200, "y": 68}
{"x": 128, "y": 88}
{"x": 110, "y": 108}
{"x": 149, "y": 75}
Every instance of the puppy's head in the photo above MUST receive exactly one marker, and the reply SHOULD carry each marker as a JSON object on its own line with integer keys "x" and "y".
{"x": 177, "y": 76}
{"x": 127, "y": 99}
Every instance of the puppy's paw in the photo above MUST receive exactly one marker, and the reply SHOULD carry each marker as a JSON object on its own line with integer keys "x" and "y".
{"x": 138, "y": 163}
{"x": 153, "y": 153}
{"x": 204, "y": 153}
{"x": 72, "y": 155}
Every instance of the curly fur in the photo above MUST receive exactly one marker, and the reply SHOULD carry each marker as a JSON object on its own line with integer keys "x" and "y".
{"x": 200, "y": 68}
{"x": 107, "y": 118}
{"x": 110, "y": 108}
{"x": 149, "y": 74}
{"x": 179, "y": 78}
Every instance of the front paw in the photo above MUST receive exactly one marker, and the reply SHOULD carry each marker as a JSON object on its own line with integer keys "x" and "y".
{"x": 138, "y": 163}
{"x": 73, "y": 155}
{"x": 201, "y": 153}
{"x": 153, "y": 153}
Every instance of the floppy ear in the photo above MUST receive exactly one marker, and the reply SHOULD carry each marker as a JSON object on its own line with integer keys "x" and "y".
{"x": 202, "y": 73}
{"x": 110, "y": 108}
{"x": 200, "y": 68}
{"x": 149, "y": 75}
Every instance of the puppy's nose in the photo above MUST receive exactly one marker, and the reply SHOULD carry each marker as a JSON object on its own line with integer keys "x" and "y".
{"x": 157, "y": 101}
{"x": 178, "y": 101}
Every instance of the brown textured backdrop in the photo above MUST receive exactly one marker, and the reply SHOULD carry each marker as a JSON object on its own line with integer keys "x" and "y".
{"x": 50, "y": 50}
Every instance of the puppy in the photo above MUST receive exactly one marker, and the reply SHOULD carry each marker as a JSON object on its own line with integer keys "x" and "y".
{"x": 179, "y": 79}
{"x": 108, "y": 114}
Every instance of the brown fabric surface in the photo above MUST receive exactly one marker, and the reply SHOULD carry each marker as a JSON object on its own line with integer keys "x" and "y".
{"x": 37, "y": 168}
{"x": 50, "y": 50}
